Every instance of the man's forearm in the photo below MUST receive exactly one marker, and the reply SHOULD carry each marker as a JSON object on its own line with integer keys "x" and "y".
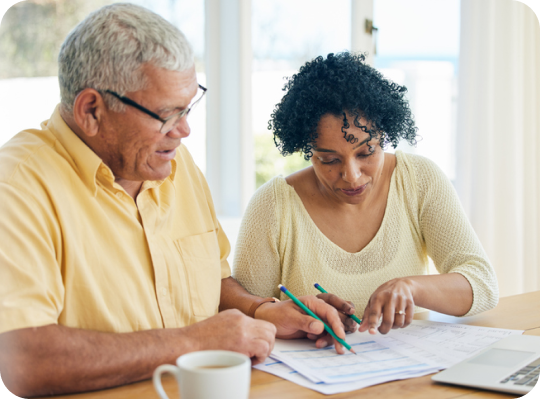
{"x": 55, "y": 359}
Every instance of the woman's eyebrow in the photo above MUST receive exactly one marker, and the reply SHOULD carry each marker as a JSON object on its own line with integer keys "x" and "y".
{"x": 362, "y": 143}
{"x": 327, "y": 150}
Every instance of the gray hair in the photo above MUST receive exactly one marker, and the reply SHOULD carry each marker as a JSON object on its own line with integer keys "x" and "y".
{"x": 107, "y": 49}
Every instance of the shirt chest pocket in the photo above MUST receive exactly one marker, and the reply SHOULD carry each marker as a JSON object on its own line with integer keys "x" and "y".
{"x": 200, "y": 255}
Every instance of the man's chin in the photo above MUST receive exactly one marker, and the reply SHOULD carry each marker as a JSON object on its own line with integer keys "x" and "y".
{"x": 159, "y": 173}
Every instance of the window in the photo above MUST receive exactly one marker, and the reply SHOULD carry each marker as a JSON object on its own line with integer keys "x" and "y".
{"x": 30, "y": 38}
{"x": 318, "y": 27}
{"x": 418, "y": 46}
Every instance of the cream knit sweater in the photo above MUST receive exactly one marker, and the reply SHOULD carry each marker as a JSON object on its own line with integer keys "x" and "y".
{"x": 279, "y": 243}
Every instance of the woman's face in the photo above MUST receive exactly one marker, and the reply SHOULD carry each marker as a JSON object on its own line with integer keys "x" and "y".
{"x": 347, "y": 169}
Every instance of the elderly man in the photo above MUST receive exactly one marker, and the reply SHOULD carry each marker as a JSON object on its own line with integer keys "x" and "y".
{"x": 111, "y": 256}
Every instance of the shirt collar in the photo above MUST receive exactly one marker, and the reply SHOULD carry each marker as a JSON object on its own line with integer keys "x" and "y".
{"x": 85, "y": 160}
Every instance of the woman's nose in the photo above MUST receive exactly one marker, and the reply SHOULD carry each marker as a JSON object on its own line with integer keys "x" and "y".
{"x": 351, "y": 172}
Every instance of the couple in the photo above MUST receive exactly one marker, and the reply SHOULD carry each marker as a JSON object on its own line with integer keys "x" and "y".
{"x": 113, "y": 260}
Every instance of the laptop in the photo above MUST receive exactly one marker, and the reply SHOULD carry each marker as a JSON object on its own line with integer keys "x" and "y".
{"x": 510, "y": 365}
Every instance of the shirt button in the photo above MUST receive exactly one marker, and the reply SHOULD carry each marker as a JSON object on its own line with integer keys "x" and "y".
{"x": 119, "y": 194}
{"x": 164, "y": 291}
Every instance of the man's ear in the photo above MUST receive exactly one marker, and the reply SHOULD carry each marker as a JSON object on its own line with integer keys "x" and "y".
{"x": 88, "y": 111}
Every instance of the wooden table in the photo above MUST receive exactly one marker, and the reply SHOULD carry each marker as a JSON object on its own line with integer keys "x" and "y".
{"x": 520, "y": 312}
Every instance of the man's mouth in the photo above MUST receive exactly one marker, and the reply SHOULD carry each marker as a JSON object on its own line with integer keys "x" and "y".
{"x": 166, "y": 155}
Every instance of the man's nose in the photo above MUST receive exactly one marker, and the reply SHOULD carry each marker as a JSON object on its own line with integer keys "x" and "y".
{"x": 181, "y": 128}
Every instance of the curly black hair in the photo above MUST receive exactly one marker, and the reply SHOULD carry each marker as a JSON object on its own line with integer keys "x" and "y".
{"x": 340, "y": 83}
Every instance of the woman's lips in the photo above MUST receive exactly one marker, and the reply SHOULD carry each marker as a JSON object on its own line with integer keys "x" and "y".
{"x": 355, "y": 191}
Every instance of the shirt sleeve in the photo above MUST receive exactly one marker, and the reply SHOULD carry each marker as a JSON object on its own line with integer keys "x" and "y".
{"x": 32, "y": 290}
{"x": 450, "y": 239}
{"x": 257, "y": 265}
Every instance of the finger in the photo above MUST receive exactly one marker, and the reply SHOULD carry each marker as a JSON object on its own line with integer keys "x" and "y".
{"x": 339, "y": 348}
{"x": 338, "y": 303}
{"x": 389, "y": 313}
{"x": 364, "y": 326}
{"x": 329, "y": 314}
{"x": 400, "y": 313}
{"x": 323, "y": 340}
{"x": 345, "y": 309}
{"x": 299, "y": 320}
{"x": 409, "y": 313}
{"x": 325, "y": 312}
{"x": 352, "y": 309}
{"x": 373, "y": 317}
{"x": 265, "y": 341}
{"x": 327, "y": 340}
{"x": 259, "y": 351}
{"x": 310, "y": 325}
{"x": 348, "y": 323}
{"x": 261, "y": 329}
{"x": 399, "y": 319}
{"x": 263, "y": 336}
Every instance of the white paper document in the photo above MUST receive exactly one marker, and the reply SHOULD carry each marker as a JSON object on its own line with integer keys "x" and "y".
{"x": 422, "y": 348}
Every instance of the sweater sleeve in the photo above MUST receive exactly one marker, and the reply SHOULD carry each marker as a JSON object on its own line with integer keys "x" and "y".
{"x": 450, "y": 239}
{"x": 257, "y": 265}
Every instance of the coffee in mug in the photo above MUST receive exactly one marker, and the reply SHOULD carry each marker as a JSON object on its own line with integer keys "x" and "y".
{"x": 208, "y": 375}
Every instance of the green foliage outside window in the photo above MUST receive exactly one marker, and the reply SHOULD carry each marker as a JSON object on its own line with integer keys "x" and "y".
{"x": 30, "y": 49}
{"x": 269, "y": 162}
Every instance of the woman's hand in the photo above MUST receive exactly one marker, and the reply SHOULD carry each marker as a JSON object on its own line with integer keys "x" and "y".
{"x": 394, "y": 301}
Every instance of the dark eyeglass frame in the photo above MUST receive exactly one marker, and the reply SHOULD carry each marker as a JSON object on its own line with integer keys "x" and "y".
{"x": 178, "y": 115}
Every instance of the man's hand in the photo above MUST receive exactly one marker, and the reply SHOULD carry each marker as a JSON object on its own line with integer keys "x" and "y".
{"x": 343, "y": 307}
{"x": 53, "y": 359}
{"x": 232, "y": 330}
{"x": 292, "y": 322}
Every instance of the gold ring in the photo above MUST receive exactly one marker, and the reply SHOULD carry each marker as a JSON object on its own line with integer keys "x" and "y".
{"x": 400, "y": 312}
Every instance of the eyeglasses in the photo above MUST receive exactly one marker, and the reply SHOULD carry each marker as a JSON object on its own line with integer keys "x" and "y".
{"x": 169, "y": 122}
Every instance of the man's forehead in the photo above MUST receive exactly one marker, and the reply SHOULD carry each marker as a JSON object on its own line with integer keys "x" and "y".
{"x": 164, "y": 82}
{"x": 187, "y": 75}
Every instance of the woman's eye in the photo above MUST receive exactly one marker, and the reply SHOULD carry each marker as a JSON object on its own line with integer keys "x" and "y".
{"x": 364, "y": 154}
{"x": 328, "y": 161}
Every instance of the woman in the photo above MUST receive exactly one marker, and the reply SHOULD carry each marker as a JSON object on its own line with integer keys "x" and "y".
{"x": 360, "y": 221}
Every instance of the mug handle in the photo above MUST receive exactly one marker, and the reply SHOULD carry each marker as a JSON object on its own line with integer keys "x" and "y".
{"x": 164, "y": 368}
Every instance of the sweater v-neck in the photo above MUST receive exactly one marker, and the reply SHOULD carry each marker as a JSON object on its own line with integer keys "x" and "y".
{"x": 389, "y": 203}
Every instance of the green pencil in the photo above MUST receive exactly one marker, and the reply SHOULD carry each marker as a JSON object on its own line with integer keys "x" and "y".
{"x": 352, "y": 316}
{"x": 309, "y": 312}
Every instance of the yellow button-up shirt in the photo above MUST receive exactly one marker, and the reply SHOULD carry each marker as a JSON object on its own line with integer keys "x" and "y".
{"x": 76, "y": 250}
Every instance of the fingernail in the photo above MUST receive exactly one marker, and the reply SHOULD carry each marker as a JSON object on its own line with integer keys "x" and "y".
{"x": 312, "y": 325}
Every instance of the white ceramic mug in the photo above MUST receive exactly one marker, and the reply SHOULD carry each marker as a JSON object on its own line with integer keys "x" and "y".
{"x": 208, "y": 375}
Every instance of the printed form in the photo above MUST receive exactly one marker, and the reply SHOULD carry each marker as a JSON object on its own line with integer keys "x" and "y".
{"x": 422, "y": 348}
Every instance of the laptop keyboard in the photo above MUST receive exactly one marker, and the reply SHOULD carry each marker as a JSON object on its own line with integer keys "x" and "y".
{"x": 527, "y": 376}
